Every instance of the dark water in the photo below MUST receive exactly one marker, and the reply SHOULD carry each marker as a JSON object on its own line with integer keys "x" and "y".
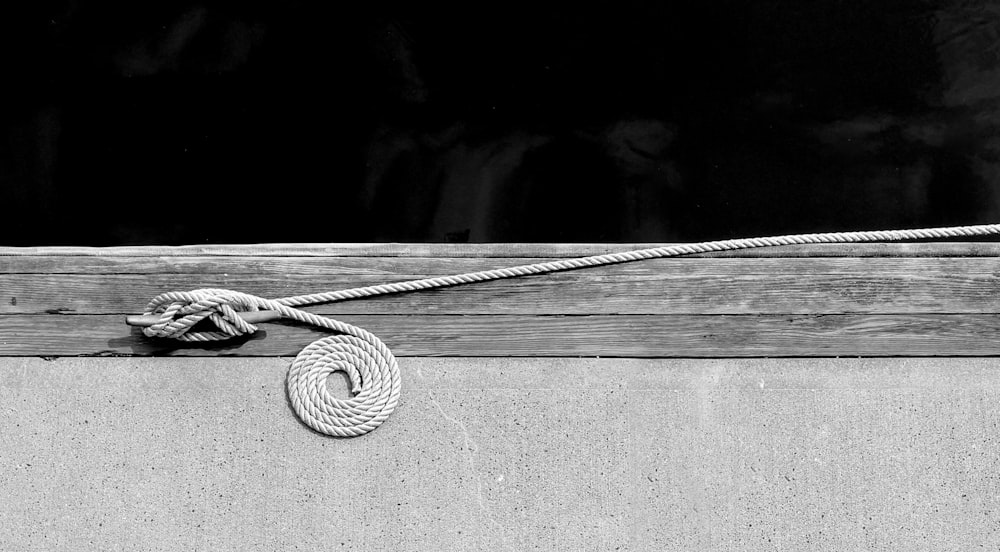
{"x": 194, "y": 122}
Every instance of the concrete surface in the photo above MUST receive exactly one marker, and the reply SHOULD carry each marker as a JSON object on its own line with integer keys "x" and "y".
{"x": 495, "y": 454}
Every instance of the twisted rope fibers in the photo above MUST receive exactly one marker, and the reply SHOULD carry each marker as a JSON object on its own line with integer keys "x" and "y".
{"x": 370, "y": 365}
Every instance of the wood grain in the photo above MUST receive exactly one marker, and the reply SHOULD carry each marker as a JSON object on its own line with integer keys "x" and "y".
{"x": 509, "y": 250}
{"x": 914, "y": 299}
{"x": 661, "y": 286}
{"x": 534, "y": 336}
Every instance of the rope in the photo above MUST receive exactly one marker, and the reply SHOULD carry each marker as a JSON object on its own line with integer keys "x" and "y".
{"x": 370, "y": 365}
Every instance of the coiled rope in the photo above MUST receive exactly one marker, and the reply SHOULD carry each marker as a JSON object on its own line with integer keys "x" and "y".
{"x": 370, "y": 365}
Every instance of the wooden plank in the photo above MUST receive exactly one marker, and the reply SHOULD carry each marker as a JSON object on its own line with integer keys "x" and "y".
{"x": 536, "y": 336}
{"x": 388, "y": 266}
{"x": 400, "y": 267}
{"x": 661, "y": 286}
{"x": 509, "y": 250}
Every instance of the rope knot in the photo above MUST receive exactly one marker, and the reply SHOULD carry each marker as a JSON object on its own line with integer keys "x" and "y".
{"x": 179, "y": 311}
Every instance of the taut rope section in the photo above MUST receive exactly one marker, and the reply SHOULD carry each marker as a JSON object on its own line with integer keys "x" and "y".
{"x": 369, "y": 364}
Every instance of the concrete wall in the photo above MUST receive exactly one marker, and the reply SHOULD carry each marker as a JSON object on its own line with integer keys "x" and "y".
{"x": 489, "y": 454}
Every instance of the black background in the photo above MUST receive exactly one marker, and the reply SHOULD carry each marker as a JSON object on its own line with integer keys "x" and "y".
{"x": 226, "y": 122}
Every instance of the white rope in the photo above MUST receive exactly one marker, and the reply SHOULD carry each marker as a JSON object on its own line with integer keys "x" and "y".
{"x": 370, "y": 365}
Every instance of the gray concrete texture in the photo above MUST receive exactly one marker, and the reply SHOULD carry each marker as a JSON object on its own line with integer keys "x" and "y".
{"x": 506, "y": 454}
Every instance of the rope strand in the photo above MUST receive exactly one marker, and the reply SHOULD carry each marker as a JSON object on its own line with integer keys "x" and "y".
{"x": 370, "y": 365}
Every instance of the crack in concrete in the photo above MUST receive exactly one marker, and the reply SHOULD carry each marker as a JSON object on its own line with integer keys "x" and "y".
{"x": 471, "y": 447}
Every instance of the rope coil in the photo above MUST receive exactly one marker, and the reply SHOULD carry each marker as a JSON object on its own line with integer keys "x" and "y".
{"x": 370, "y": 365}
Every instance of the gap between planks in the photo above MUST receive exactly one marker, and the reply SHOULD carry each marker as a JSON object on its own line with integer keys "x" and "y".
{"x": 532, "y": 336}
